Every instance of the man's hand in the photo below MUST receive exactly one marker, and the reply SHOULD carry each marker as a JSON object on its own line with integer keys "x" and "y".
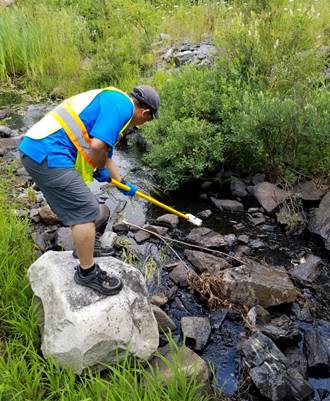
{"x": 102, "y": 175}
{"x": 132, "y": 189}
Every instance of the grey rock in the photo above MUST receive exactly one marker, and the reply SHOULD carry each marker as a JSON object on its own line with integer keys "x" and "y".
{"x": 318, "y": 358}
{"x": 163, "y": 320}
{"x": 320, "y": 221}
{"x": 244, "y": 239}
{"x": 108, "y": 239}
{"x": 170, "y": 219}
{"x": 206, "y": 262}
{"x": 141, "y": 236}
{"x": 197, "y": 331}
{"x": 242, "y": 250}
{"x": 204, "y": 214}
{"x": 64, "y": 239}
{"x": 180, "y": 275}
{"x": 258, "y": 178}
{"x": 217, "y": 318}
{"x": 158, "y": 300}
{"x": 5, "y": 132}
{"x": 119, "y": 227}
{"x": 191, "y": 364}
{"x": 256, "y": 284}
{"x": 309, "y": 270}
{"x": 4, "y": 112}
{"x": 206, "y": 237}
{"x": 270, "y": 196}
{"x": 258, "y": 316}
{"x": 34, "y": 215}
{"x": 253, "y": 210}
{"x": 308, "y": 191}
{"x": 257, "y": 220}
{"x": 47, "y": 215}
{"x": 302, "y": 313}
{"x": 85, "y": 329}
{"x": 227, "y": 205}
{"x": 156, "y": 229}
{"x": 238, "y": 188}
{"x": 230, "y": 239}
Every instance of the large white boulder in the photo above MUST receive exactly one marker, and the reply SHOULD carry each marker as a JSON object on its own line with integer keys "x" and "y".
{"x": 85, "y": 329}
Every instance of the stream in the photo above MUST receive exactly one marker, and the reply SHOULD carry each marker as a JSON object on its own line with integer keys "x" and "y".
{"x": 273, "y": 246}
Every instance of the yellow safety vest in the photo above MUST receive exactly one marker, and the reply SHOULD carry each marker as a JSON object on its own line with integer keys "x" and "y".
{"x": 66, "y": 116}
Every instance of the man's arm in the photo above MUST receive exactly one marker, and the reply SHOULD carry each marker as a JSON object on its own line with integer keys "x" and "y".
{"x": 99, "y": 152}
{"x": 113, "y": 169}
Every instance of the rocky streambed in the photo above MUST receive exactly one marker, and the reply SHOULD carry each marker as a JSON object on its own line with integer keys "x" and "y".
{"x": 251, "y": 300}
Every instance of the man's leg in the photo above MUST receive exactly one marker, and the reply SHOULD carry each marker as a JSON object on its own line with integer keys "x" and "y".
{"x": 83, "y": 236}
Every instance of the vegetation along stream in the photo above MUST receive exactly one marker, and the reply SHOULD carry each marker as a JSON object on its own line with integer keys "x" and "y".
{"x": 241, "y": 303}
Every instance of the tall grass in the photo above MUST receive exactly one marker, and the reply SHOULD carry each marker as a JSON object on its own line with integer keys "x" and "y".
{"x": 40, "y": 46}
{"x": 26, "y": 376}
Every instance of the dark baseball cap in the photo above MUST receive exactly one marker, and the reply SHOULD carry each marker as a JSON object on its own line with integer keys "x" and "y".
{"x": 148, "y": 96}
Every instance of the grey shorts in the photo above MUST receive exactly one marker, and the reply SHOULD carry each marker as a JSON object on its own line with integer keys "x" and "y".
{"x": 65, "y": 191}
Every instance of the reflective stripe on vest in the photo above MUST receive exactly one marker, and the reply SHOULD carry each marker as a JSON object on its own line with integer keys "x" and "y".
{"x": 75, "y": 130}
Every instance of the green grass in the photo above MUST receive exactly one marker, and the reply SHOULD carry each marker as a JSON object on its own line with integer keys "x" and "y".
{"x": 25, "y": 375}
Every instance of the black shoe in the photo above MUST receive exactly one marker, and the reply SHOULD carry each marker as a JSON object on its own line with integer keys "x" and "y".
{"x": 100, "y": 281}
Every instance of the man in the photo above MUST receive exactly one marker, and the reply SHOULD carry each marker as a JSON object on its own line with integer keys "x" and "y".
{"x": 71, "y": 144}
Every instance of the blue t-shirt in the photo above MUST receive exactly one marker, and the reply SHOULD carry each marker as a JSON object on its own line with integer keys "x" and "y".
{"x": 103, "y": 118}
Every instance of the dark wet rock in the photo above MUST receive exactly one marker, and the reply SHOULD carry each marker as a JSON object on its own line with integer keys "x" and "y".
{"x": 163, "y": 320}
{"x": 141, "y": 142}
{"x": 227, "y": 205}
{"x": 253, "y": 210}
{"x": 242, "y": 250}
{"x": 230, "y": 239}
{"x": 318, "y": 358}
{"x": 47, "y": 215}
{"x": 256, "y": 284}
{"x": 206, "y": 237}
{"x": 270, "y": 196}
{"x": 258, "y": 316}
{"x": 271, "y": 372}
{"x": 281, "y": 330}
{"x": 196, "y": 330}
{"x": 239, "y": 226}
{"x": 319, "y": 222}
{"x": 258, "y": 178}
{"x": 64, "y": 239}
{"x": 171, "y": 219}
{"x": 203, "y": 196}
{"x": 217, "y": 317}
{"x": 238, "y": 188}
{"x": 120, "y": 227}
{"x": 5, "y": 132}
{"x": 244, "y": 239}
{"x": 204, "y": 214}
{"x": 257, "y": 220}
{"x": 309, "y": 270}
{"x": 180, "y": 275}
{"x": 256, "y": 244}
{"x": 179, "y": 304}
{"x": 206, "y": 262}
{"x": 4, "y": 112}
{"x": 303, "y": 314}
{"x": 308, "y": 191}
{"x": 141, "y": 236}
{"x": 101, "y": 222}
{"x": 296, "y": 360}
{"x": 206, "y": 184}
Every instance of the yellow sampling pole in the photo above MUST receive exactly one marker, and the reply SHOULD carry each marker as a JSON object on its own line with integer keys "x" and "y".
{"x": 187, "y": 216}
